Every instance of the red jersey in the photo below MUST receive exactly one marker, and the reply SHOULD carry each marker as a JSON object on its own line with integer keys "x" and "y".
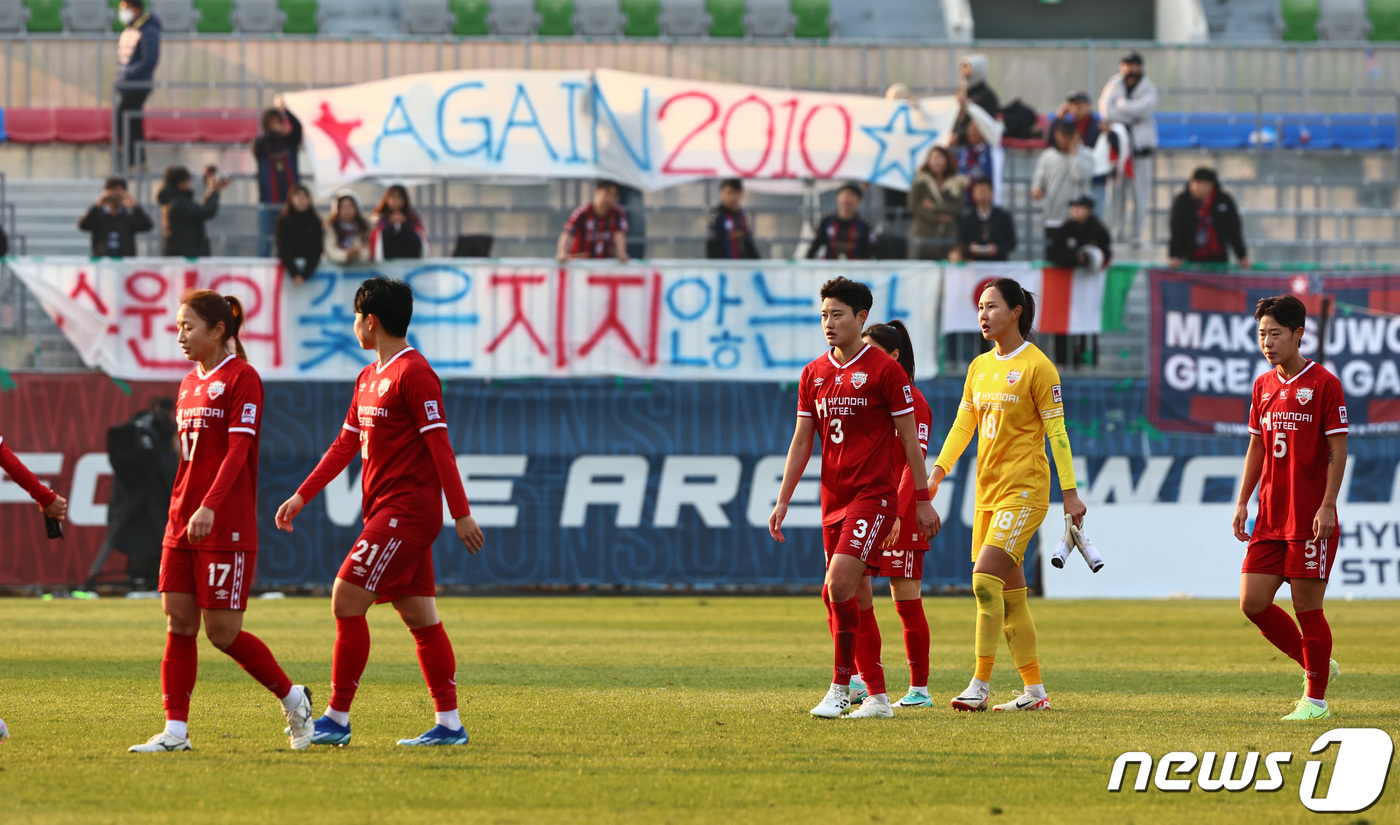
{"x": 213, "y": 410}
{"x": 853, "y": 404}
{"x": 1294, "y": 417}
{"x": 594, "y": 235}
{"x": 394, "y": 406}
{"x": 908, "y": 523}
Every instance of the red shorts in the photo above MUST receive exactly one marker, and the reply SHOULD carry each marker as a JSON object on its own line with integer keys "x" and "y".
{"x": 392, "y": 561}
{"x": 859, "y": 534}
{"x": 904, "y": 562}
{"x": 1299, "y": 559}
{"x": 219, "y": 579}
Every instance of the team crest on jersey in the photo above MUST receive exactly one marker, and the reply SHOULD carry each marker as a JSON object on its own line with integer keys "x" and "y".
{"x": 216, "y": 389}
{"x": 383, "y": 387}
{"x": 1304, "y": 395}
{"x": 1012, "y": 377}
{"x": 858, "y": 379}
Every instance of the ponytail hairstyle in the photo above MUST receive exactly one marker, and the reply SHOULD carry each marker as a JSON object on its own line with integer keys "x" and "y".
{"x": 1015, "y": 296}
{"x": 213, "y": 309}
{"x": 891, "y": 337}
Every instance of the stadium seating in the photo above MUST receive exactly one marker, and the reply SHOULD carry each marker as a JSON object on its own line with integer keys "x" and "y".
{"x": 556, "y": 17}
{"x": 813, "y": 18}
{"x": 45, "y": 16}
{"x": 770, "y": 18}
{"x": 1385, "y": 20}
{"x": 1343, "y": 20}
{"x": 257, "y": 17}
{"x": 513, "y": 18}
{"x": 599, "y": 18}
{"x": 30, "y": 125}
{"x": 215, "y": 16}
{"x": 87, "y": 16}
{"x": 642, "y": 18}
{"x": 726, "y": 17}
{"x": 171, "y": 126}
{"x": 1298, "y": 20}
{"x": 176, "y": 16}
{"x": 426, "y": 17}
{"x": 1357, "y": 132}
{"x": 300, "y": 16}
{"x": 231, "y": 126}
{"x": 471, "y": 17}
{"x": 684, "y": 18}
{"x": 13, "y": 16}
{"x": 82, "y": 125}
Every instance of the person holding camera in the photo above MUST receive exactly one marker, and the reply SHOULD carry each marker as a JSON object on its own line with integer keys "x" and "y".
{"x": 182, "y": 218}
{"x": 114, "y": 221}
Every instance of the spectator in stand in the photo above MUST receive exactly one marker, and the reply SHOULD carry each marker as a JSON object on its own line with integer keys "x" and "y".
{"x": 1062, "y": 174}
{"x": 1079, "y": 110}
{"x": 843, "y": 235}
{"x": 276, "y": 151}
{"x": 979, "y": 158}
{"x": 114, "y": 221}
{"x": 299, "y": 237}
{"x": 730, "y": 237}
{"x": 1206, "y": 224}
{"x": 973, "y": 88}
{"x": 347, "y": 231}
{"x": 1130, "y": 98}
{"x": 182, "y": 219}
{"x": 1082, "y": 240}
{"x": 397, "y": 232}
{"x": 986, "y": 232}
{"x": 138, "y": 52}
{"x": 596, "y": 230}
{"x": 936, "y": 200}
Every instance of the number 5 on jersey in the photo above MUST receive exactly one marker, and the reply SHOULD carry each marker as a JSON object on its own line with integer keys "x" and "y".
{"x": 1280, "y": 445}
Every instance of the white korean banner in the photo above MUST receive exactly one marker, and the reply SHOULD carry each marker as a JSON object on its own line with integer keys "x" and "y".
{"x": 498, "y": 319}
{"x": 648, "y": 132}
{"x": 1068, "y": 301}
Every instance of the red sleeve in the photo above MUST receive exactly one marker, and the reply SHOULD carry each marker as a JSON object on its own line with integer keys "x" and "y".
{"x": 239, "y": 443}
{"x": 423, "y": 393}
{"x": 336, "y": 459}
{"x": 446, "y": 462}
{"x": 805, "y": 407}
{"x": 923, "y": 419}
{"x": 1253, "y": 420}
{"x": 896, "y": 389}
{"x": 15, "y": 469}
{"x": 1334, "y": 415}
{"x": 245, "y": 405}
{"x": 572, "y": 225}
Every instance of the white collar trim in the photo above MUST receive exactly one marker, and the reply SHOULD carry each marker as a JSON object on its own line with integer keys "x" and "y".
{"x": 1296, "y": 377}
{"x": 839, "y": 366}
{"x": 199, "y": 368}
{"x": 378, "y": 368}
{"x": 1017, "y": 351}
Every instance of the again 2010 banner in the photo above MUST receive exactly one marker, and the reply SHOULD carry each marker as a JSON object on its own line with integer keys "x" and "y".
{"x": 645, "y": 131}
{"x": 1204, "y": 349}
{"x": 502, "y": 319}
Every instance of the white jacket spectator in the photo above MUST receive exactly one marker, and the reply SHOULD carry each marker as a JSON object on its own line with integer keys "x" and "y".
{"x": 1062, "y": 173}
{"x": 1130, "y": 98}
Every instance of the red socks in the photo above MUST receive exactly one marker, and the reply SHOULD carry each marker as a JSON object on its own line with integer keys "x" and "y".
{"x": 1317, "y": 651}
{"x": 1278, "y": 627}
{"x": 830, "y": 617}
{"x": 177, "y": 675}
{"x": 439, "y": 665}
{"x": 250, "y": 652}
{"x": 916, "y": 639}
{"x": 846, "y": 616}
{"x": 348, "y": 661}
{"x": 868, "y": 653}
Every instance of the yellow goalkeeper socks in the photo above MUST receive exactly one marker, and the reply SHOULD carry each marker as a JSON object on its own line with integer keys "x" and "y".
{"x": 1019, "y": 628}
{"x": 991, "y": 615}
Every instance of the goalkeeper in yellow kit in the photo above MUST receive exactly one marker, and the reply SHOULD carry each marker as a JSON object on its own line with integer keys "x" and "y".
{"x": 1012, "y": 401}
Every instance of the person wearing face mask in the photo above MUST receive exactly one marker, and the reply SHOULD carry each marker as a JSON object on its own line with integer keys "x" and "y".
{"x": 1130, "y": 98}
{"x": 138, "y": 52}
{"x": 114, "y": 221}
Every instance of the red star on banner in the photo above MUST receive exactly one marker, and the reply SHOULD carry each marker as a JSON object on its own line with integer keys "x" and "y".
{"x": 339, "y": 133}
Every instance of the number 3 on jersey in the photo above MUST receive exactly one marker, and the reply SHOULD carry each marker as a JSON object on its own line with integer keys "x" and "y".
{"x": 837, "y": 434}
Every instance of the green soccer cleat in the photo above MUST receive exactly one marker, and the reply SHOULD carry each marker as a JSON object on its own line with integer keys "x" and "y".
{"x": 915, "y": 699}
{"x": 1333, "y": 671}
{"x": 859, "y": 691}
{"x": 1306, "y": 711}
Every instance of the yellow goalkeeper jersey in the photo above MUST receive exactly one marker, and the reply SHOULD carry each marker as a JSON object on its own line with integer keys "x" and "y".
{"x": 1012, "y": 403}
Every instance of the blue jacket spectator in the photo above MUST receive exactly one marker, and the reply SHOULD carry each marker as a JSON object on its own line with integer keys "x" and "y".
{"x": 138, "y": 53}
{"x": 275, "y": 151}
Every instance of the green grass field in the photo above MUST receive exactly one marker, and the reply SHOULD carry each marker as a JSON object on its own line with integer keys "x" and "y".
{"x": 675, "y": 710}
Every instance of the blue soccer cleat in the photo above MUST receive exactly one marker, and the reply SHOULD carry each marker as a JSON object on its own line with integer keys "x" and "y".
{"x": 439, "y": 735}
{"x": 330, "y": 732}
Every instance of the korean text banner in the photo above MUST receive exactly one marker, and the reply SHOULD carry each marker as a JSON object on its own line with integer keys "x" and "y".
{"x": 502, "y": 319}
{"x": 1204, "y": 349}
{"x": 648, "y": 132}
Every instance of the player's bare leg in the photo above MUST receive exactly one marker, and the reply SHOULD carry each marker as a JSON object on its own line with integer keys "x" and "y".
{"x": 178, "y": 670}
{"x": 909, "y": 603}
{"x": 439, "y": 664}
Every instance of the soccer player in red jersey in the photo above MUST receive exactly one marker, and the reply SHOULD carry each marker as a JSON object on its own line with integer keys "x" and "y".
{"x": 52, "y": 504}
{"x": 1297, "y": 452}
{"x": 211, "y": 539}
{"x": 399, "y": 428}
{"x": 847, "y": 397}
{"x": 902, "y": 556}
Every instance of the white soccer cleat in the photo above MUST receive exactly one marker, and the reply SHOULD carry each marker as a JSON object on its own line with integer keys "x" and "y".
{"x": 1025, "y": 701}
{"x": 836, "y": 702}
{"x": 163, "y": 742}
{"x": 301, "y": 725}
{"x": 976, "y": 697}
{"x": 873, "y": 708}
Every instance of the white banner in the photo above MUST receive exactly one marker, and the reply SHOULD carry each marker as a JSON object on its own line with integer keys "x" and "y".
{"x": 648, "y": 132}
{"x": 498, "y": 319}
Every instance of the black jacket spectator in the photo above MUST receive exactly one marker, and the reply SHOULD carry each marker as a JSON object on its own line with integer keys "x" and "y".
{"x": 392, "y": 241}
{"x": 729, "y": 236}
{"x": 276, "y": 154}
{"x": 300, "y": 240}
{"x": 182, "y": 220}
{"x": 976, "y": 90}
{"x": 1071, "y": 237}
{"x": 837, "y": 239}
{"x": 978, "y": 232}
{"x": 114, "y": 230}
{"x": 1203, "y": 231}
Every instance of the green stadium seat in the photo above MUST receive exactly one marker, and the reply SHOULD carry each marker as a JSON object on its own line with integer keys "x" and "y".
{"x": 471, "y": 17}
{"x": 726, "y": 17}
{"x": 45, "y": 15}
{"x": 1385, "y": 20}
{"x": 303, "y": 16}
{"x": 117, "y": 25}
{"x": 1300, "y": 20}
{"x": 642, "y": 18}
{"x": 813, "y": 18}
{"x": 556, "y": 17}
{"x": 215, "y": 16}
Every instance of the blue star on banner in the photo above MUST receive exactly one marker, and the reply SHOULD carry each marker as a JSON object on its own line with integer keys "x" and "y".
{"x": 909, "y": 139}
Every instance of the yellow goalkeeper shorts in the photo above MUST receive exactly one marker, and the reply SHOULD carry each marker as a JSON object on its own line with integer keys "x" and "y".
{"x": 1009, "y": 529}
